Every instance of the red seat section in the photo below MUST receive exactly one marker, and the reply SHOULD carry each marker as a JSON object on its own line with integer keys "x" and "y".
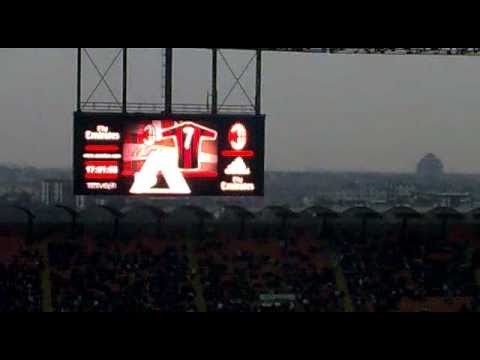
{"x": 10, "y": 246}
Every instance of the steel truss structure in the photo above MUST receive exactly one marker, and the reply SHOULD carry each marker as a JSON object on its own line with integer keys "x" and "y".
{"x": 214, "y": 106}
{"x": 217, "y": 106}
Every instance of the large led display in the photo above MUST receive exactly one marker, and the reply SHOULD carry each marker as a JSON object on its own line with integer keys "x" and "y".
{"x": 151, "y": 155}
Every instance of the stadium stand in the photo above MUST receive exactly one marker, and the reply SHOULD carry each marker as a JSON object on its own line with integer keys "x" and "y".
{"x": 20, "y": 288}
{"x": 273, "y": 261}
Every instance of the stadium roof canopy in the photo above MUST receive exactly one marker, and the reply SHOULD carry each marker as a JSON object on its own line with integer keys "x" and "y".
{"x": 376, "y": 51}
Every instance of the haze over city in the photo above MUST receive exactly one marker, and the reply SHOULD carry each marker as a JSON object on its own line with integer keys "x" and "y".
{"x": 355, "y": 113}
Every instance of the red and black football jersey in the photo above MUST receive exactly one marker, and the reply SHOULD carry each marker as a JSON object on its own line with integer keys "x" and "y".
{"x": 189, "y": 138}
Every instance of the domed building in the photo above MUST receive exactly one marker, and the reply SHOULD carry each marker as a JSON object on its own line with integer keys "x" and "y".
{"x": 430, "y": 167}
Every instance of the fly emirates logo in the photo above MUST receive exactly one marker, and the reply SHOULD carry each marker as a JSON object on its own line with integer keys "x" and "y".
{"x": 238, "y": 184}
{"x": 102, "y": 133}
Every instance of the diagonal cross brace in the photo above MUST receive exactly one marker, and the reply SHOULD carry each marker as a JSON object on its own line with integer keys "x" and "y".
{"x": 237, "y": 80}
{"x": 103, "y": 76}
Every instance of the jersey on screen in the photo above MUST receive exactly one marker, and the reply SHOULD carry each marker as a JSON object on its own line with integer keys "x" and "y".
{"x": 189, "y": 138}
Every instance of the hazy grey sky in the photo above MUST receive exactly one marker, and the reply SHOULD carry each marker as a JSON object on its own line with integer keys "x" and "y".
{"x": 324, "y": 112}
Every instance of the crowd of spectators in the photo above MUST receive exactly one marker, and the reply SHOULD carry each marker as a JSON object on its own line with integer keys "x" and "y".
{"x": 120, "y": 279}
{"x": 265, "y": 275}
{"x": 20, "y": 283}
{"x": 266, "y": 271}
{"x": 393, "y": 276}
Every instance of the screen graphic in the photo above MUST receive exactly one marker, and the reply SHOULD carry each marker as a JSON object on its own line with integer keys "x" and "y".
{"x": 176, "y": 156}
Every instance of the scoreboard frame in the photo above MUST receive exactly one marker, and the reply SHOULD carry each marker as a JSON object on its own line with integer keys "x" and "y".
{"x": 111, "y": 129}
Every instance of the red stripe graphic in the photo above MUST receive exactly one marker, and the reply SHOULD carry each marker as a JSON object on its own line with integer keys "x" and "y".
{"x": 233, "y": 153}
{"x": 102, "y": 148}
{"x": 101, "y": 163}
{"x": 101, "y": 176}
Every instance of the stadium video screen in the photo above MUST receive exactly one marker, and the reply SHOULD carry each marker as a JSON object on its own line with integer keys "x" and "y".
{"x": 193, "y": 155}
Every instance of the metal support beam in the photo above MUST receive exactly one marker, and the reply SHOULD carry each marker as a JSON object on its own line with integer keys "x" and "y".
{"x": 214, "y": 81}
{"x": 79, "y": 79}
{"x": 258, "y": 87}
{"x": 124, "y": 82}
{"x": 168, "y": 79}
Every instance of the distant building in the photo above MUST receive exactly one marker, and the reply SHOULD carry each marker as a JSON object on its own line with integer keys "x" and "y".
{"x": 80, "y": 202}
{"x": 430, "y": 167}
{"x": 60, "y": 191}
{"x": 54, "y": 191}
{"x": 454, "y": 200}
